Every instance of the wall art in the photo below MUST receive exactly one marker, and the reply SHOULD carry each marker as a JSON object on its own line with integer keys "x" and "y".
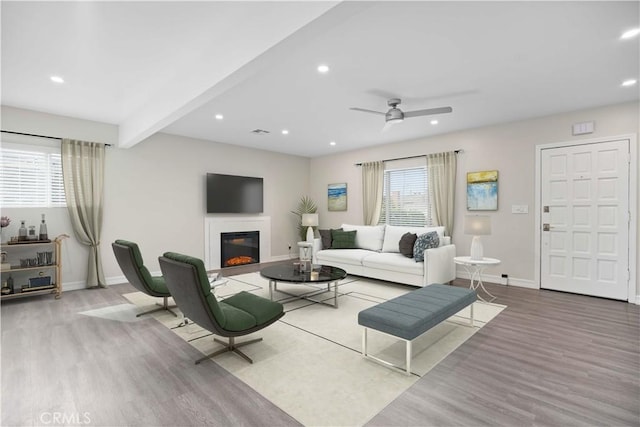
{"x": 337, "y": 194}
{"x": 482, "y": 191}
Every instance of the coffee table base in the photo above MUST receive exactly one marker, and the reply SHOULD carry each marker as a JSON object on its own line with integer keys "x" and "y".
{"x": 273, "y": 286}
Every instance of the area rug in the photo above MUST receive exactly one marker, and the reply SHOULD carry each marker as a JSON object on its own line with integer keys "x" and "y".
{"x": 310, "y": 364}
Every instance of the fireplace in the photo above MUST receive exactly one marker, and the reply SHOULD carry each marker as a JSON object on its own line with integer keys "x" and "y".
{"x": 239, "y": 248}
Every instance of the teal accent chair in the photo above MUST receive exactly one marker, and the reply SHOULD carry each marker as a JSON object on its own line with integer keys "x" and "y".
{"x": 130, "y": 260}
{"x": 240, "y": 314}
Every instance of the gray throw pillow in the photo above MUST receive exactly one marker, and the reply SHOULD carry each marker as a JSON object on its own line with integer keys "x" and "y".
{"x": 343, "y": 239}
{"x": 407, "y": 241}
{"x": 423, "y": 242}
{"x": 325, "y": 236}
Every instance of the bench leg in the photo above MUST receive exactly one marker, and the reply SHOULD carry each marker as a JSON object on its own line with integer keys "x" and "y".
{"x": 471, "y": 318}
{"x": 364, "y": 342}
{"x": 408, "y": 356}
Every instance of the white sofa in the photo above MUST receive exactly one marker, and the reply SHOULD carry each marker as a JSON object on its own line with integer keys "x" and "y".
{"x": 378, "y": 256}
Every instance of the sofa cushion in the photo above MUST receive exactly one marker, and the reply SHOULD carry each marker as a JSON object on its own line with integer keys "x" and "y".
{"x": 343, "y": 256}
{"x": 325, "y": 236}
{"x": 423, "y": 242}
{"x": 393, "y": 234}
{"x": 368, "y": 236}
{"x": 393, "y": 262}
{"x": 343, "y": 239}
{"x": 407, "y": 241}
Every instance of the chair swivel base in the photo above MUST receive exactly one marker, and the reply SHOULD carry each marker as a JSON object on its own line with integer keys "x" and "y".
{"x": 230, "y": 346}
{"x": 163, "y": 306}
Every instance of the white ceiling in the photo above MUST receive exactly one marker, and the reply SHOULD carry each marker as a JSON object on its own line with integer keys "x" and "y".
{"x": 171, "y": 66}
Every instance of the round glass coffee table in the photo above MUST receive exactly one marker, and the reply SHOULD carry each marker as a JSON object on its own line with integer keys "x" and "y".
{"x": 290, "y": 273}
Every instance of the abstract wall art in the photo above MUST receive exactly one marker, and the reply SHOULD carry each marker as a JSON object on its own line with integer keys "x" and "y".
{"x": 337, "y": 197}
{"x": 482, "y": 191}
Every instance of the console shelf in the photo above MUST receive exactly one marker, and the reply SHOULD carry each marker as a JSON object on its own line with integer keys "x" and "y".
{"x": 21, "y": 275}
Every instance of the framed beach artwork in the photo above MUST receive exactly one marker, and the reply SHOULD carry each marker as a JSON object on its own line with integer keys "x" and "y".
{"x": 337, "y": 194}
{"x": 482, "y": 191}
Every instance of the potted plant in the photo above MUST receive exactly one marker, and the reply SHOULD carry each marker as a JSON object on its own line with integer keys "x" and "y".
{"x": 305, "y": 206}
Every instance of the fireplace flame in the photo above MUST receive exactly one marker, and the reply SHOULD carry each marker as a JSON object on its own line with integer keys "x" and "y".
{"x": 239, "y": 260}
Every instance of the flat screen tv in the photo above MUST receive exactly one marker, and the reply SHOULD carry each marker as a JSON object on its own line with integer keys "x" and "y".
{"x": 234, "y": 194}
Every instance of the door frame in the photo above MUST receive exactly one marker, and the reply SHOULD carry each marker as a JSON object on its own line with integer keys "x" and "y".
{"x": 633, "y": 295}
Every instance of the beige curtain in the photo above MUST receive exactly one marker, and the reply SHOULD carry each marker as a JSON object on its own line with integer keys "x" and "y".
{"x": 372, "y": 186}
{"x": 442, "y": 183}
{"x": 83, "y": 175}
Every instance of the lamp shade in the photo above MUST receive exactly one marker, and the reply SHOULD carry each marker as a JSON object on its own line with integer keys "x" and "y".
{"x": 310, "y": 220}
{"x": 477, "y": 225}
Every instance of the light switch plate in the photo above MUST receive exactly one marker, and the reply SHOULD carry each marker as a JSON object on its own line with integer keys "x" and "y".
{"x": 583, "y": 128}
{"x": 519, "y": 209}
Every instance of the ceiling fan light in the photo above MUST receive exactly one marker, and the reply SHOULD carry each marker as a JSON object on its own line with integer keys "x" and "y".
{"x": 394, "y": 115}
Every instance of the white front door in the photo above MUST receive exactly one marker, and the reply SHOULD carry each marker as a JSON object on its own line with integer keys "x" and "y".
{"x": 585, "y": 217}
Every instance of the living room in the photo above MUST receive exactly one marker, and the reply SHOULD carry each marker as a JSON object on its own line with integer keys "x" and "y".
{"x": 154, "y": 190}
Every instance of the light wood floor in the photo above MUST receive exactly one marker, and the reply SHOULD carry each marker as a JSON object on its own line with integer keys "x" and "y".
{"x": 549, "y": 359}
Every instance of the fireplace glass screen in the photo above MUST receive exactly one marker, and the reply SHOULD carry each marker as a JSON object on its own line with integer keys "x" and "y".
{"x": 239, "y": 248}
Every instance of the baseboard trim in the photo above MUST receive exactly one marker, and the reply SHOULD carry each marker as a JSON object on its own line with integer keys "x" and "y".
{"x": 497, "y": 280}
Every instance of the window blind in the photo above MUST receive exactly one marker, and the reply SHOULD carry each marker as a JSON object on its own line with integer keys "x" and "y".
{"x": 31, "y": 176}
{"x": 405, "y": 199}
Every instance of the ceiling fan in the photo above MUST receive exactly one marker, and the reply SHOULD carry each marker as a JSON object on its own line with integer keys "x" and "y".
{"x": 396, "y": 115}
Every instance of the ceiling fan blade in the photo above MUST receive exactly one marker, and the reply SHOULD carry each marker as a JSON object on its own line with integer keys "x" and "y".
{"x": 364, "y": 110}
{"x": 428, "y": 111}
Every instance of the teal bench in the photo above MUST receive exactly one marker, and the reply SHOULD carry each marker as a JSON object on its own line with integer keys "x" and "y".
{"x": 409, "y": 316}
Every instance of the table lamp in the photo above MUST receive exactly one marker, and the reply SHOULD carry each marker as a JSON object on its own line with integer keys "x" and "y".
{"x": 310, "y": 220}
{"x": 477, "y": 225}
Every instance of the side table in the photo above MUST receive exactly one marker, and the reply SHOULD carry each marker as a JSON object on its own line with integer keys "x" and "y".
{"x": 474, "y": 268}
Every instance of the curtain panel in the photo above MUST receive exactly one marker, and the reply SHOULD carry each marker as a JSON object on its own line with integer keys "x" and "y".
{"x": 372, "y": 187}
{"x": 441, "y": 168}
{"x": 83, "y": 176}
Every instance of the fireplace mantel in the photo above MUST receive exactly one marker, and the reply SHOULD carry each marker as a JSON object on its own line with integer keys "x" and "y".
{"x": 215, "y": 225}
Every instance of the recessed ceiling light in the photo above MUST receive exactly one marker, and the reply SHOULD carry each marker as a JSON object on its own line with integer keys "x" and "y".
{"x": 332, "y": 143}
{"x": 434, "y": 122}
{"x": 285, "y": 132}
{"x": 57, "y": 79}
{"x": 629, "y": 82}
{"x": 630, "y": 34}
{"x": 219, "y": 117}
{"x": 323, "y": 68}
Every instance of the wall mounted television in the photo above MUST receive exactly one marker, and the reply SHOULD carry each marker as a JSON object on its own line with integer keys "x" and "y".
{"x": 234, "y": 194}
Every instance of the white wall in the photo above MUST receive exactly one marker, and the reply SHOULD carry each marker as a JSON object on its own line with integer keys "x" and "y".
{"x": 154, "y": 192}
{"x": 509, "y": 148}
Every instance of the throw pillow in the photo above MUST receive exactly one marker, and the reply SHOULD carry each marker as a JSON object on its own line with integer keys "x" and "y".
{"x": 423, "y": 242}
{"x": 407, "y": 241}
{"x": 325, "y": 236}
{"x": 343, "y": 239}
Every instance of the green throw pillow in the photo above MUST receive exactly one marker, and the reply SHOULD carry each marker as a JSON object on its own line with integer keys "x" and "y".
{"x": 343, "y": 239}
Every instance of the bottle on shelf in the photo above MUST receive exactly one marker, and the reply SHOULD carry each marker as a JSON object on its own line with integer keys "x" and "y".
{"x": 32, "y": 233}
{"x": 22, "y": 232}
{"x": 10, "y": 284}
{"x": 43, "y": 230}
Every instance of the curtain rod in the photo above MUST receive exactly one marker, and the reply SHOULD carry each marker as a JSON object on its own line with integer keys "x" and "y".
{"x": 408, "y": 157}
{"x": 36, "y": 135}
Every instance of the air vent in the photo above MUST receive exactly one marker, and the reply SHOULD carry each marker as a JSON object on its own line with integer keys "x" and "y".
{"x": 260, "y": 131}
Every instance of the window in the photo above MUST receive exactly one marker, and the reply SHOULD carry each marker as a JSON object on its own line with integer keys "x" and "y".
{"x": 405, "y": 199}
{"x": 31, "y": 176}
